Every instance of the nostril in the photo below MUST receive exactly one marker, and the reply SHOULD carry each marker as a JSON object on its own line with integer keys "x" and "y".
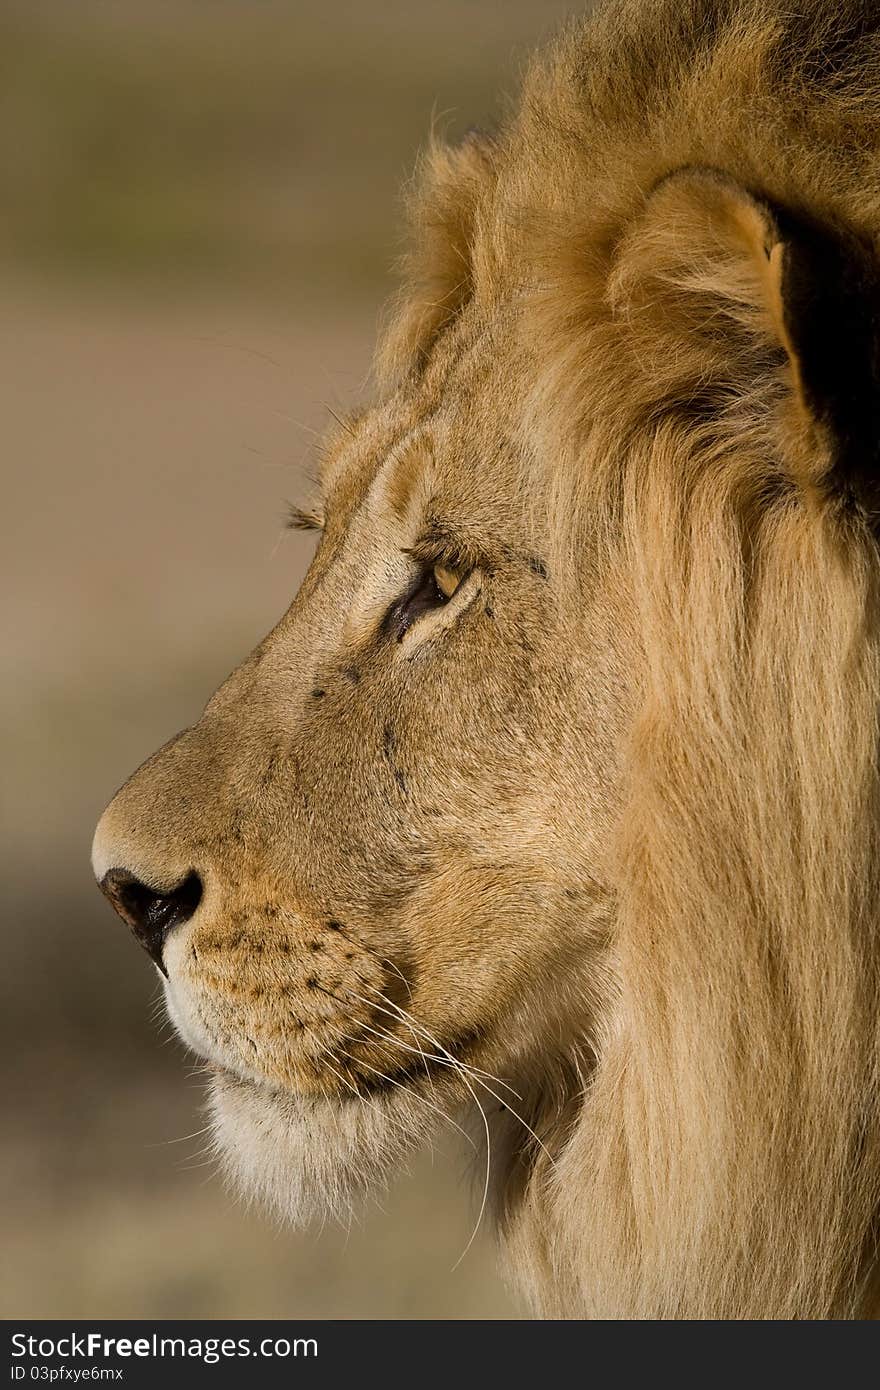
{"x": 152, "y": 915}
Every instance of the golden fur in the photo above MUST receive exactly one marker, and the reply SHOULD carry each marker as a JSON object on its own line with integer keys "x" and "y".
{"x": 601, "y": 827}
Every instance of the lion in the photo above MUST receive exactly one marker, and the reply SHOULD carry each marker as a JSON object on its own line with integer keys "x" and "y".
{"x": 554, "y": 795}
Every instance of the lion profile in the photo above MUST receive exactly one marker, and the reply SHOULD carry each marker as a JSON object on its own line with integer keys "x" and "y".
{"x": 555, "y": 792}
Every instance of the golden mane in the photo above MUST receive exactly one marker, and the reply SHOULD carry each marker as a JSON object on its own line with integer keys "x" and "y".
{"x": 724, "y": 1160}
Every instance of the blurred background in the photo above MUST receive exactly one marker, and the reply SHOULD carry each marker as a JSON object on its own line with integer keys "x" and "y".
{"x": 199, "y": 217}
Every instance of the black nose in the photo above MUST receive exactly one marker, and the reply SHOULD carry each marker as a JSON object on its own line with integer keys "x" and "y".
{"x": 152, "y": 915}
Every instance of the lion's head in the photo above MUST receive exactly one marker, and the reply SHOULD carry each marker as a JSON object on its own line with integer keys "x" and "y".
{"x": 554, "y": 793}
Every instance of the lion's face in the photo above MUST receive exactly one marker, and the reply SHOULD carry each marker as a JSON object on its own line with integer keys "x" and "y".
{"x": 389, "y": 821}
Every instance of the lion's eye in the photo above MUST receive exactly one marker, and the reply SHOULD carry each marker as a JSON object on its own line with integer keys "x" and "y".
{"x": 435, "y": 585}
{"x": 447, "y": 580}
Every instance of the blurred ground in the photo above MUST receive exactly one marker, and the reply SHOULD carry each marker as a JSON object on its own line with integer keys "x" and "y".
{"x": 198, "y": 214}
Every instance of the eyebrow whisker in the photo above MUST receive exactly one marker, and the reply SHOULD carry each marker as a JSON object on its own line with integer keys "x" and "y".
{"x": 303, "y": 518}
{"x": 343, "y": 424}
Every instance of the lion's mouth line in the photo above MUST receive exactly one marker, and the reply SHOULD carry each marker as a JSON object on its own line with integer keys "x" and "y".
{"x": 438, "y": 1060}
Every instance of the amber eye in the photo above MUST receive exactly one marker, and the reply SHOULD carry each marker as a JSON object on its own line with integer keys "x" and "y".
{"x": 434, "y": 586}
{"x": 447, "y": 580}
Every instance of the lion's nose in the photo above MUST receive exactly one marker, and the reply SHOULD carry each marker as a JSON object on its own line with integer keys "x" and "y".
{"x": 152, "y": 915}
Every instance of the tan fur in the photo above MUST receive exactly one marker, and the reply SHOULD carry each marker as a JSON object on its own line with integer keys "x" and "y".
{"x": 603, "y": 825}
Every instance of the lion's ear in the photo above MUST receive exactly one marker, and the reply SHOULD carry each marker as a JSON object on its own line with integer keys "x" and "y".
{"x": 440, "y": 269}
{"x": 724, "y": 290}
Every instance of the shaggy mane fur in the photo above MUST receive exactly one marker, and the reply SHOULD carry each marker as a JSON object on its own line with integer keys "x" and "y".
{"x": 724, "y": 1161}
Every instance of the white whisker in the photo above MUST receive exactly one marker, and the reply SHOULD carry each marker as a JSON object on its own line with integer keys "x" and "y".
{"x": 409, "y": 1091}
{"x": 477, "y": 1075}
{"x": 161, "y": 1143}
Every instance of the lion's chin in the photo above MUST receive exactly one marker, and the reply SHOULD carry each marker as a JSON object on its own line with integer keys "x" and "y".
{"x": 305, "y": 1158}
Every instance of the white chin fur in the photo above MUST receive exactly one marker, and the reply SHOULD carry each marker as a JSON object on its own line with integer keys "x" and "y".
{"x": 306, "y": 1158}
